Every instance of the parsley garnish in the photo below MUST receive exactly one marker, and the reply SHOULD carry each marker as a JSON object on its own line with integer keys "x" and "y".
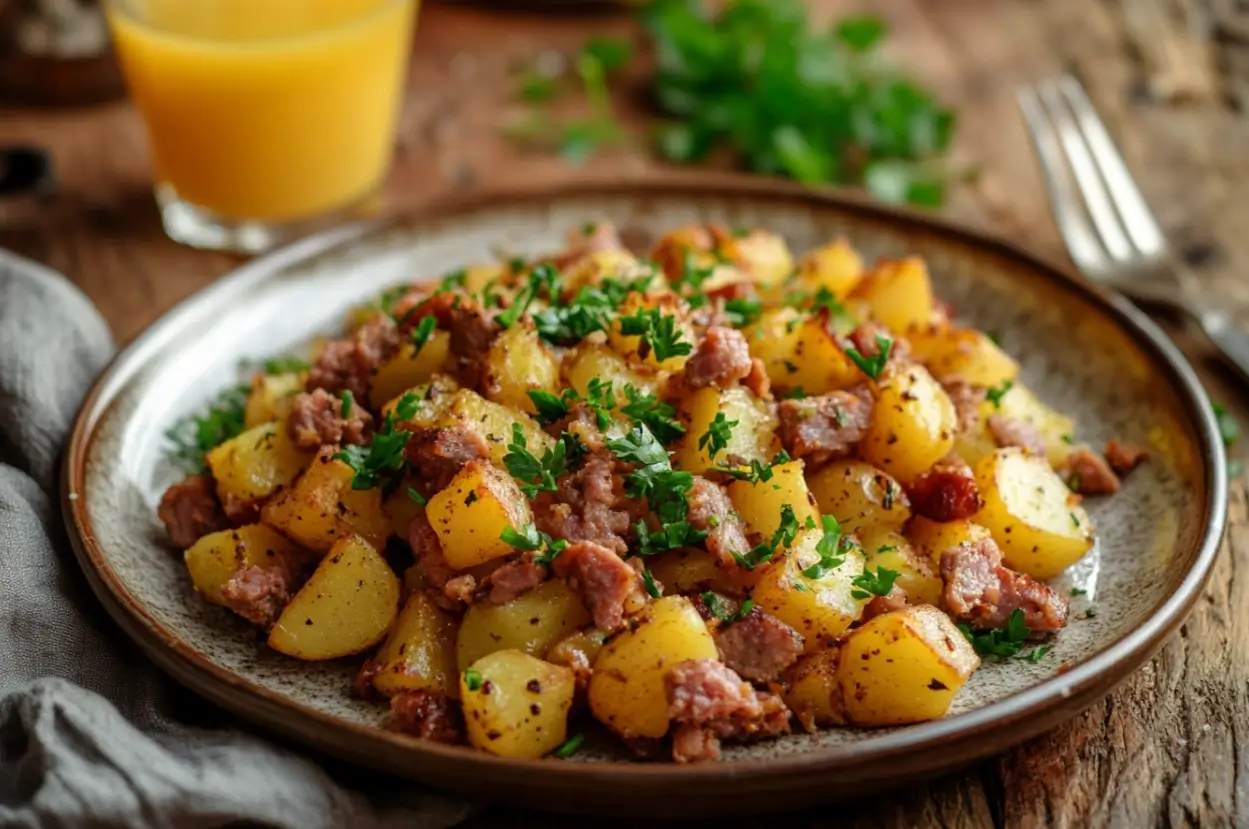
{"x": 692, "y": 276}
{"x": 652, "y": 588}
{"x": 382, "y": 460}
{"x": 664, "y": 489}
{"x": 1089, "y": 613}
{"x": 347, "y": 400}
{"x": 717, "y": 436}
{"x": 831, "y": 548}
{"x": 1079, "y": 591}
{"x": 194, "y": 436}
{"x": 1229, "y": 426}
{"x": 423, "y": 331}
{"x": 1067, "y": 439}
{"x": 1074, "y": 519}
{"x": 722, "y": 613}
{"x": 874, "y": 584}
{"x": 541, "y": 277}
{"x": 416, "y": 496}
{"x": 570, "y": 747}
{"x": 660, "y": 418}
{"x": 784, "y": 536}
{"x": 796, "y": 394}
{"x": 452, "y": 280}
{"x": 1001, "y": 643}
{"x": 530, "y": 539}
{"x": 1036, "y": 654}
{"x": 285, "y": 365}
{"x": 551, "y": 408}
{"x": 658, "y": 332}
{"x": 535, "y": 475}
{"x": 757, "y": 473}
{"x": 994, "y": 394}
{"x": 601, "y": 401}
{"x": 872, "y": 366}
{"x": 743, "y": 312}
{"x": 472, "y": 680}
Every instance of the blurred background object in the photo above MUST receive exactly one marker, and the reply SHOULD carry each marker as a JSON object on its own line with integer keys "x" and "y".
{"x": 56, "y": 52}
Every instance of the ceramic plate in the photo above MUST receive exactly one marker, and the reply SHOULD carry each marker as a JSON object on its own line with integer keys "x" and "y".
{"x": 1091, "y": 355}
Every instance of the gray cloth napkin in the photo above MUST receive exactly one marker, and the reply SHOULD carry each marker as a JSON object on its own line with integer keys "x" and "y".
{"x": 90, "y": 734}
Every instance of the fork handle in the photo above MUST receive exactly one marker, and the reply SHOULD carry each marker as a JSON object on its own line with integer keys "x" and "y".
{"x": 1231, "y": 342}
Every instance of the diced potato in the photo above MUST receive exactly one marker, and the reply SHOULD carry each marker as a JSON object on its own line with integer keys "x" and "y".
{"x": 630, "y": 346}
{"x": 1019, "y": 403}
{"x": 478, "y": 277}
{"x": 517, "y": 364}
{"x": 1031, "y": 513}
{"x": 472, "y": 512}
{"x": 821, "y": 364}
{"x": 270, "y": 398}
{"x": 590, "y": 271}
{"x": 859, "y": 496}
{"x": 681, "y": 243}
{"x": 690, "y": 570}
{"x": 760, "y": 505}
{"x": 836, "y": 266}
{"x": 577, "y": 650}
{"x": 904, "y": 666}
{"x": 493, "y": 422}
{"x": 434, "y": 399}
{"x": 913, "y": 423}
{"x": 760, "y": 254}
{"x": 774, "y": 340}
{"x": 410, "y": 368}
{"x": 215, "y": 558}
{"x": 916, "y": 573}
{"x": 347, "y": 605}
{"x": 899, "y": 294}
{"x": 965, "y": 354}
{"x": 322, "y": 507}
{"x": 627, "y": 689}
{"x": 591, "y": 361}
{"x": 532, "y": 622}
{"x": 419, "y": 653}
{"x": 400, "y": 508}
{"x": 520, "y": 708}
{"x": 812, "y": 691}
{"x": 256, "y": 464}
{"x": 753, "y": 438}
{"x": 933, "y": 537}
{"x": 821, "y": 609}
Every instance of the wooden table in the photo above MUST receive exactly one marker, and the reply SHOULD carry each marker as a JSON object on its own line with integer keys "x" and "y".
{"x": 1171, "y": 747}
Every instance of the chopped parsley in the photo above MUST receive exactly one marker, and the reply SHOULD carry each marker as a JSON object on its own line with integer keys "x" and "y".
{"x": 1036, "y": 654}
{"x": 285, "y": 365}
{"x": 658, "y": 332}
{"x": 541, "y": 277}
{"x": 660, "y": 418}
{"x": 347, "y": 401}
{"x": 743, "y": 312}
{"x": 1229, "y": 426}
{"x": 664, "y": 489}
{"x": 757, "y": 472}
{"x": 472, "y": 680}
{"x": 1068, "y": 439}
{"x": 601, "y": 401}
{"x": 692, "y": 276}
{"x": 423, "y": 331}
{"x": 194, "y": 436}
{"x": 551, "y": 408}
{"x": 1079, "y": 591}
{"x": 831, "y": 547}
{"x": 1074, "y": 519}
{"x": 1000, "y": 643}
{"x": 873, "y": 366}
{"x": 994, "y": 394}
{"x": 534, "y": 474}
{"x": 417, "y": 497}
{"x": 1089, "y": 613}
{"x": 530, "y": 539}
{"x": 717, "y": 436}
{"x": 382, "y": 461}
{"x": 570, "y": 747}
{"x": 652, "y": 587}
{"x": 874, "y": 584}
{"x": 764, "y": 552}
{"x": 795, "y": 393}
{"x": 451, "y": 281}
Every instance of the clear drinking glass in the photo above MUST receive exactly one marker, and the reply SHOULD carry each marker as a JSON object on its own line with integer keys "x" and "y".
{"x": 265, "y": 117}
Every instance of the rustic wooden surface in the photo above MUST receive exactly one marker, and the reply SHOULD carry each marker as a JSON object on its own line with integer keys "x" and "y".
{"x": 1171, "y": 747}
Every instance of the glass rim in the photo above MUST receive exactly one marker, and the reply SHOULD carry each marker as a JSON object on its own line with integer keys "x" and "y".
{"x": 121, "y": 8}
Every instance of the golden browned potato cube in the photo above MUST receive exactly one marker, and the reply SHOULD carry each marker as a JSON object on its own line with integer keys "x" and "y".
{"x": 904, "y": 666}
{"x": 752, "y": 439}
{"x": 433, "y": 400}
{"x": 760, "y": 254}
{"x": 410, "y": 367}
{"x": 347, "y": 605}
{"x": 215, "y": 558}
{"x": 1031, "y": 513}
{"x": 818, "y": 364}
{"x": 774, "y": 340}
{"x": 934, "y": 537}
{"x": 913, "y": 424}
{"x": 400, "y": 508}
{"x": 899, "y": 293}
{"x": 322, "y": 507}
{"x": 532, "y": 622}
{"x": 917, "y": 575}
{"x": 1019, "y": 403}
{"x": 630, "y": 346}
{"x": 516, "y": 705}
{"x": 594, "y": 361}
{"x": 859, "y": 496}
{"x": 821, "y": 608}
{"x": 966, "y": 354}
{"x": 493, "y": 422}
{"x": 812, "y": 691}
{"x": 270, "y": 398}
{"x": 627, "y": 689}
{"x": 690, "y": 570}
{"x": 517, "y": 364}
{"x": 471, "y": 514}
{"x": 590, "y": 270}
{"x": 760, "y": 504}
{"x": 836, "y": 266}
{"x": 419, "y": 653}
{"x": 256, "y": 464}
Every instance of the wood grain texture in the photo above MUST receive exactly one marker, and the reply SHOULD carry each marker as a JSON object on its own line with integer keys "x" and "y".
{"x": 1171, "y": 747}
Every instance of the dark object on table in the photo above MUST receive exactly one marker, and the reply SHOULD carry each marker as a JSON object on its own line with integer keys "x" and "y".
{"x": 25, "y": 170}
{"x": 56, "y": 52}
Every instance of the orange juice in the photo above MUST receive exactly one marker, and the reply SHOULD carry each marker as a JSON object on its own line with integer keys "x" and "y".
{"x": 270, "y": 110}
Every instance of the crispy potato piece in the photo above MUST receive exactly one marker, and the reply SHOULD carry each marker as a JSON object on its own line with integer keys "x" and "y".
{"x": 472, "y": 512}
{"x": 1031, "y": 514}
{"x": 752, "y": 439}
{"x": 1019, "y": 403}
{"x": 532, "y": 622}
{"x": 859, "y": 496}
{"x": 899, "y": 294}
{"x": 400, "y": 508}
{"x": 902, "y": 667}
{"x": 760, "y": 505}
{"x": 761, "y": 255}
{"x": 627, "y": 689}
{"x": 493, "y": 422}
{"x": 434, "y": 398}
{"x": 590, "y": 270}
{"x": 965, "y": 354}
{"x": 419, "y": 653}
{"x": 812, "y": 691}
{"x": 819, "y": 364}
{"x": 322, "y": 507}
{"x": 594, "y": 361}
{"x": 917, "y": 574}
{"x": 774, "y": 340}
{"x": 933, "y": 538}
{"x": 410, "y": 368}
{"x": 215, "y": 558}
{"x": 256, "y": 464}
{"x": 520, "y": 708}
{"x": 913, "y": 424}
{"x": 837, "y": 266}
{"x": 821, "y": 609}
{"x": 347, "y": 605}
{"x": 691, "y": 570}
{"x": 517, "y": 364}
{"x": 630, "y": 346}
{"x": 270, "y": 397}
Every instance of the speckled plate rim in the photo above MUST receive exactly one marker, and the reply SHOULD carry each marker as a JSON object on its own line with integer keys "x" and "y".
{"x": 905, "y": 754}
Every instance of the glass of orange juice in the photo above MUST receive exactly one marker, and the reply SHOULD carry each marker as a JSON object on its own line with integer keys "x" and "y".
{"x": 266, "y": 118}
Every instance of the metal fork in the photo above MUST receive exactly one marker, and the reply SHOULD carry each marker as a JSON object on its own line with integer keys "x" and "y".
{"x": 1110, "y": 233}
